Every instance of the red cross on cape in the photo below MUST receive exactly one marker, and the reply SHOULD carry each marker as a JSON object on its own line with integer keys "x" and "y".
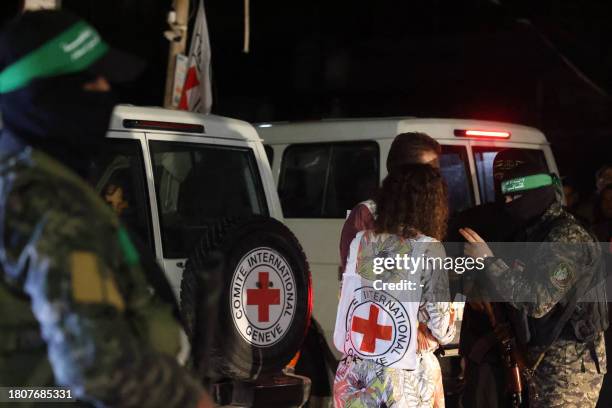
{"x": 371, "y": 330}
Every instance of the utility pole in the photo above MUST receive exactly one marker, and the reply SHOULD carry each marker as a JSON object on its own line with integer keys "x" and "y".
{"x": 177, "y": 35}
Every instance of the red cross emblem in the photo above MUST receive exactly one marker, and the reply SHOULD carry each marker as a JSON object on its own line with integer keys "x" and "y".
{"x": 263, "y": 297}
{"x": 371, "y": 330}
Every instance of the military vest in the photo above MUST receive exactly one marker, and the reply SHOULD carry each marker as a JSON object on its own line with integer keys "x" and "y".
{"x": 583, "y": 314}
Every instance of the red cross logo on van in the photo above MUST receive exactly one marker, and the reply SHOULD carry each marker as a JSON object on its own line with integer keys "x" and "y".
{"x": 263, "y": 297}
{"x": 371, "y": 330}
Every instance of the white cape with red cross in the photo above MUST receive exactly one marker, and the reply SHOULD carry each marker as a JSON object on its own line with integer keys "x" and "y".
{"x": 375, "y": 324}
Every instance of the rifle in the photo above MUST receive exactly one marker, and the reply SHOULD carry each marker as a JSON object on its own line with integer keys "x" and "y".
{"x": 513, "y": 359}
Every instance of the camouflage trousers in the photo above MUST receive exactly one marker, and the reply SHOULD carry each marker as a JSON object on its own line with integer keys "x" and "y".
{"x": 567, "y": 376}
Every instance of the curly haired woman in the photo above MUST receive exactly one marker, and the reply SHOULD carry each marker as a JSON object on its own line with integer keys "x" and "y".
{"x": 385, "y": 298}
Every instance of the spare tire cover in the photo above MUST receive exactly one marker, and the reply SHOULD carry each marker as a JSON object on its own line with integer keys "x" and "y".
{"x": 264, "y": 303}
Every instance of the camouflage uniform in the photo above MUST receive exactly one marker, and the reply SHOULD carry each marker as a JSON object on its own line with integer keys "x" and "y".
{"x": 567, "y": 375}
{"x": 75, "y": 306}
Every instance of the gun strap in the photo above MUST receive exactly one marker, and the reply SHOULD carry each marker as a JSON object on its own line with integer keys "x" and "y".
{"x": 537, "y": 362}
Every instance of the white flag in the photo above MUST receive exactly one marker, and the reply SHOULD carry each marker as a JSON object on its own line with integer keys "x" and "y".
{"x": 197, "y": 94}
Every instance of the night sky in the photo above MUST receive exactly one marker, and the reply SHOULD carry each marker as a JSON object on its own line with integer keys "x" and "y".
{"x": 547, "y": 63}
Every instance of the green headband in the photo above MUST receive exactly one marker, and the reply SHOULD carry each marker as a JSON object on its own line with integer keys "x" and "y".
{"x": 527, "y": 183}
{"x": 71, "y": 51}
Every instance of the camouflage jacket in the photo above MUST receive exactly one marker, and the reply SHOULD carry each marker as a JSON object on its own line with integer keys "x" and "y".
{"x": 560, "y": 288}
{"x": 566, "y": 254}
{"x": 73, "y": 274}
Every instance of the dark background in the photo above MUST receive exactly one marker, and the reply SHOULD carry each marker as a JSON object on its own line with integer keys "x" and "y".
{"x": 544, "y": 63}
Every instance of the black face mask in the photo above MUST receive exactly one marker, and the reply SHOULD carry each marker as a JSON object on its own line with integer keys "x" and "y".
{"x": 530, "y": 206}
{"x": 57, "y": 116}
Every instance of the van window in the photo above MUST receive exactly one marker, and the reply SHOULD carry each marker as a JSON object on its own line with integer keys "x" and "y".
{"x": 118, "y": 175}
{"x": 199, "y": 184}
{"x": 483, "y": 158}
{"x": 324, "y": 180}
{"x": 456, "y": 171}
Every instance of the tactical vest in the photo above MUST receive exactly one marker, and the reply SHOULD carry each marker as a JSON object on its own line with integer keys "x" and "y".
{"x": 573, "y": 318}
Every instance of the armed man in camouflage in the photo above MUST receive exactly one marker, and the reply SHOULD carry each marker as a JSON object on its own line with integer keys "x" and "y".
{"x": 558, "y": 286}
{"x": 75, "y": 305}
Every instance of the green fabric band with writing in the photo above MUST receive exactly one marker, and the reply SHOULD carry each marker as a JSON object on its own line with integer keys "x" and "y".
{"x": 72, "y": 51}
{"x": 526, "y": 183}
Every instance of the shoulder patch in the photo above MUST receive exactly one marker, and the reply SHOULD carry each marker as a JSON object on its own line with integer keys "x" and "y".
{"x": 90, "y": 284}
{"x": 561, "y": 276}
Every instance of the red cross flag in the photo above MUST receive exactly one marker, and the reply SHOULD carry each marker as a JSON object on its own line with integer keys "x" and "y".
{"x": 197, "y": 95}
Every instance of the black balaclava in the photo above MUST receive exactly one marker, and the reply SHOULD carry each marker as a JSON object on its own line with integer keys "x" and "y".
{"x": 50, "y": 110}
{"x": 58, "y": 117}
{"x": 531, "y": 204}
{"x": 512, "y": 163}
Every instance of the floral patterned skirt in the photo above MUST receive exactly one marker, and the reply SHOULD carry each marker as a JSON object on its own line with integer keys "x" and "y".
{"x": 365, "y": 384}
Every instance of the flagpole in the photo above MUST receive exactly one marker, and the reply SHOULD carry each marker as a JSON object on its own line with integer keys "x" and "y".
{"x": 178, "y": 43}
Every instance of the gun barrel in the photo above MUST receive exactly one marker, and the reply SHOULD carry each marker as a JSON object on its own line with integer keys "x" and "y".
{"x": 517, "y": 382}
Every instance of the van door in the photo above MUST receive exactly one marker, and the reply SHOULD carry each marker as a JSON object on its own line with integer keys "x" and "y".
{"x": 198, "y": 181}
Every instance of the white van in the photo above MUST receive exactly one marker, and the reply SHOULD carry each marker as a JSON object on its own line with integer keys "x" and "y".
{"x": 197, "y": 192}
{"x": 324, "y": 168}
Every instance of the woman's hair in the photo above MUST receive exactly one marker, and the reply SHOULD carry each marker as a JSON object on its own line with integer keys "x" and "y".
{"x": 413, "y": 200}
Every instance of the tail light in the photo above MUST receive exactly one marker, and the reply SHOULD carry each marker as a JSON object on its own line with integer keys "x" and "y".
{"x": 482, "y": 134}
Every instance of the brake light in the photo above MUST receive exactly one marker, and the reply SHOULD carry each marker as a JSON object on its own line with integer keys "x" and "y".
{"x": 157, "y": 125}
{"x": 487, "y": 134}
